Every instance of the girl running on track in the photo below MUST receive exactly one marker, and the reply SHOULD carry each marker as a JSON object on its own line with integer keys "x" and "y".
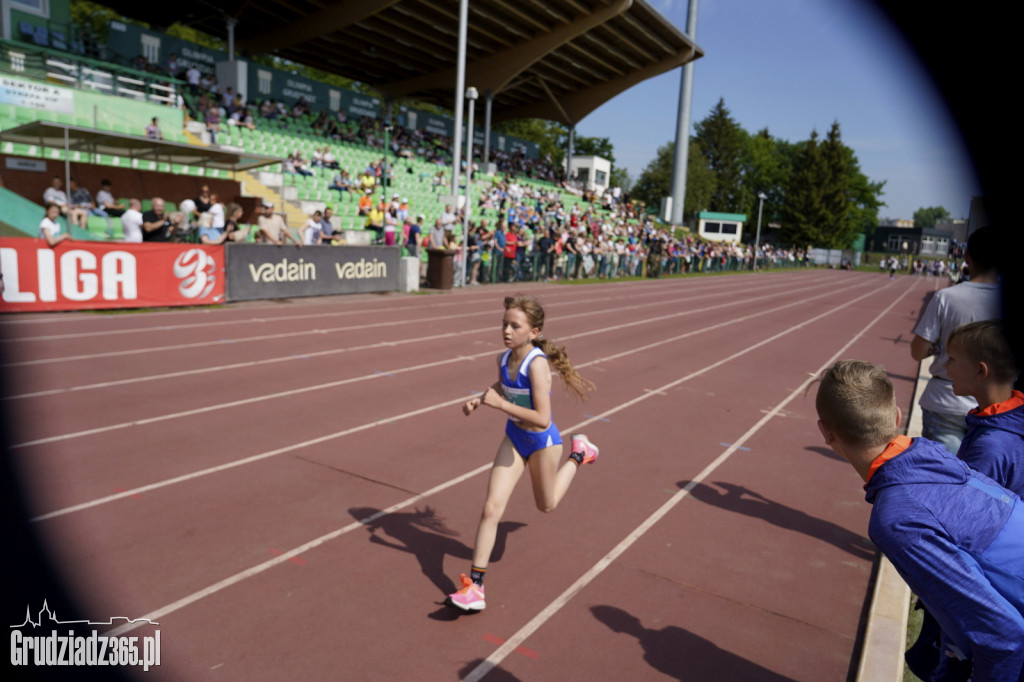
{"x": 532, "y": 441}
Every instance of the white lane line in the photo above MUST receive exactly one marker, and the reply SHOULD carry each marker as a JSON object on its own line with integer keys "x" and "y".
{"x": 333, "y": 351}
{"x": 432, "y": 306}
{"x": 284, "y": 335}
{"x": 222, "y": 342}
{"x": 664, "y": 289}
{"x": 245, "y": 460}
{"x": 264, "y": 566}
{"x": 202, "y": 325}
{"x": 583, "y": 581}
{"x": 255, "y": 458}
{"x": 325, "y": 301}
{"x": 377, "y": 375}
{"x": 301, "y": 549}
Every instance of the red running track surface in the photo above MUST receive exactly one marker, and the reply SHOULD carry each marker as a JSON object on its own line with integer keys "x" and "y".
{"x": 290, "y": 489}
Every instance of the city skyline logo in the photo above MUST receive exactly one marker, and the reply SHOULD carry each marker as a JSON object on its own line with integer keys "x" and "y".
{"x": 58, "y": 644}
{"x": 53, "y": 618}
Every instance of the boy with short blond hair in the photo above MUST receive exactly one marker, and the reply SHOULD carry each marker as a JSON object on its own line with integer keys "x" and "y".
{"x": 981, "y": 365}
{"x": 954, "y": 535}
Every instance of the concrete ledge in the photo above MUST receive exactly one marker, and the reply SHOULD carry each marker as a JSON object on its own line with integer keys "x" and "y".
{"x": 881, "y": 657}
{"x": 408, "y": 274}
{"x": 274, "y": 180}
{"x": 307, "y": 207}
{"x": 357, "y": 237}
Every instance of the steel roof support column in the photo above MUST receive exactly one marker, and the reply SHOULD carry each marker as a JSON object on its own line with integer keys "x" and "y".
{"x": 488, "y": 100}
{"x": 570, "y": 140}
{"x": 460, "y": 96}
{"x": 231, "y": 21}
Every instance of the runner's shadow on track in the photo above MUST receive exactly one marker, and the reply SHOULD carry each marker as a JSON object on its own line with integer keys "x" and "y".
{"x": 742, "y": 500}
{"x": 424, "y": 534}
{"x": 681, "y": 654}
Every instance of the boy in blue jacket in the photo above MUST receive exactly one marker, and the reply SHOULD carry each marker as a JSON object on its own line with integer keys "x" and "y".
{"x": 954, "y": 535}
{"x": 980, "y": 364}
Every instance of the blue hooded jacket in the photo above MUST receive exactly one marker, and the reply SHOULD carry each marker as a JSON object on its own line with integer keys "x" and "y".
{"x": 957, "y": 538}
{"x": 994, "y": 444}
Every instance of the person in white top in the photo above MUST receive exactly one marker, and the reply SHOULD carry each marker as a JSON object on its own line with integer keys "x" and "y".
{"x": 312, "y": 232}
{"x": 131, "y": 222}
{"x": 49, "y": 228}
{"x": 216, "y": 213}
{"x": 192, "y": 77}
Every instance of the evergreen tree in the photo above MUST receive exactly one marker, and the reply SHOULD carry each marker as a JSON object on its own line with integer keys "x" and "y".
{"x": 804, "y": 213}
{"x": 722, "y": 140}
{"x": 828, "y": 201}
{"x": 700, "y": 184}
{"x": 865, "y": 196}
{"x": 836, "y": 231}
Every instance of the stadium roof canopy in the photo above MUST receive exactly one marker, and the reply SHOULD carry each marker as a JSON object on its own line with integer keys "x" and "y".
{"x": 550, "y": 59}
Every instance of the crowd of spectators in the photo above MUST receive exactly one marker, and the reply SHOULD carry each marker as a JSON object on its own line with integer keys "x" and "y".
{"x": 527, "y": 233}
{"x": 951, "y": 266}
{"x": 519, "y": 231}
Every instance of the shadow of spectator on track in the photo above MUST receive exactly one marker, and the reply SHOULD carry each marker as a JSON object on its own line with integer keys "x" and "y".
{"x": 681, "y": 654}
{"x": 916, "y": 314}
{"x": 898, "y": 339}
{"x": 492, "y": 675}
{"x": 742, "y": 500}
{"x": 424, "y": 534}
{"x": 826, "y": 452}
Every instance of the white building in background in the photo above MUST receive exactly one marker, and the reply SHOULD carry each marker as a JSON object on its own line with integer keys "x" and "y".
{"x": 720, "y": 227}
{"x": 592, "y": 172}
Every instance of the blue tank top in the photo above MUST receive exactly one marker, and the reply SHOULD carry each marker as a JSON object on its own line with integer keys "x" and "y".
{"x": 518, "y": 390}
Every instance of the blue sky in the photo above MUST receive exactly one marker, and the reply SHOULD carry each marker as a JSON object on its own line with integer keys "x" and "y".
{"x": 797, "y": 65}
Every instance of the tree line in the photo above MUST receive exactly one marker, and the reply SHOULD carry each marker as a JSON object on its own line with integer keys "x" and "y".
{"x": 814, "y": 189}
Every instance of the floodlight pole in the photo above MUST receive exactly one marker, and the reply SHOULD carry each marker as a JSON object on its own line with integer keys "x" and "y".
{"x": 460, "y": 92}
{"x": 471, "y": 95}
{"x": 757, "y": 240}
{"x": 682, "y": 150}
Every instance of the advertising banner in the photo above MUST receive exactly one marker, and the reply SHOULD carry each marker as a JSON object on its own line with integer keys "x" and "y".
{"x": 259, "y": 271}
{"x": 34, "y": 95}
{"x": 127, "y": 41}
{"x": 93, "y": 275}
{"x": 355, "y": 105}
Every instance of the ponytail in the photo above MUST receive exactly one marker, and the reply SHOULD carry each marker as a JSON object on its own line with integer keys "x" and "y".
{"x": 556, "y": 354}
{"x": 560, "y": 359}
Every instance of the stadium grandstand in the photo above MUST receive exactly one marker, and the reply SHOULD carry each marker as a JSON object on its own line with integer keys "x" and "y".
{"x": 159, "y": 116}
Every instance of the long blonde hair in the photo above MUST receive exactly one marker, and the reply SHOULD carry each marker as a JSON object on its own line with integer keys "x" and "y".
{"x": 556, "y": 354}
